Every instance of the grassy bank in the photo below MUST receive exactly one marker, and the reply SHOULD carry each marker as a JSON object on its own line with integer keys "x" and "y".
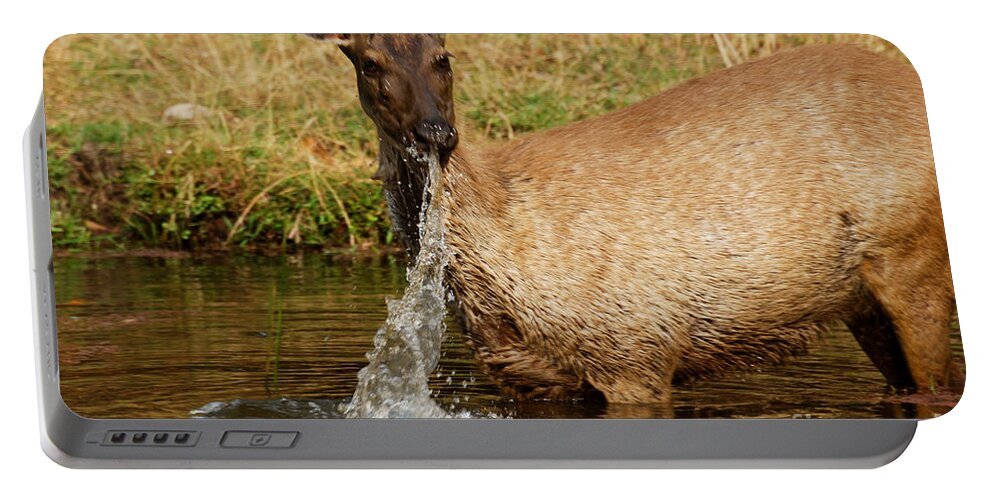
{"x": 274, "y": 152}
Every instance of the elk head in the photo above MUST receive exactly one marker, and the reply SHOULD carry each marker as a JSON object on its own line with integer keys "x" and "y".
{"x": 405, "y": 86}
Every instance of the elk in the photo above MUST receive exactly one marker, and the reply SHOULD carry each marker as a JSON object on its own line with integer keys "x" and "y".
{"x": 715, "y": 226}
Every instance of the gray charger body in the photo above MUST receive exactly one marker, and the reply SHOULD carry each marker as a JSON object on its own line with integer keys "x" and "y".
{"x": 75, "y": 441}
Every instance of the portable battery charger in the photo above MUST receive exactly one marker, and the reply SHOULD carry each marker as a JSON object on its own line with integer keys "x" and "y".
{"x": 486, "y": 251}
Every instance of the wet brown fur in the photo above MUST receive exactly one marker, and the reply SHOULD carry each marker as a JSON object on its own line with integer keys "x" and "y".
{"x": 715, "y": 226}
{"x": 718, "y": 225}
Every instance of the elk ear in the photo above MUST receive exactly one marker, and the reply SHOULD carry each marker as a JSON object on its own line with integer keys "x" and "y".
{"x": 338, "y": 38}
{"x": 343, "y": 41}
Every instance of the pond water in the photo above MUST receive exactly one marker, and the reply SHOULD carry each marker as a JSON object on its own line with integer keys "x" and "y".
{"x": 250, "y": 336}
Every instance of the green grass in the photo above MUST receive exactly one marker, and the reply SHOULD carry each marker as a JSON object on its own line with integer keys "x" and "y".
{"x": 283, "y": 160}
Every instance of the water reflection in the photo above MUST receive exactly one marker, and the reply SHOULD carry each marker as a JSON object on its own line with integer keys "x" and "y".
{"x": 161, "y": 337}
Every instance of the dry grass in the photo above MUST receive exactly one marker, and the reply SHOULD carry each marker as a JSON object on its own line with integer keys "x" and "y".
{"x": 284, "y": 155}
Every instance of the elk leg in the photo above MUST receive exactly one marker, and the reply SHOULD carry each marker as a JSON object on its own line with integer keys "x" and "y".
{"x": 641, "y": 373}
{"x": 519, "y": 372}
{"x": 526, "y": 376}
{"x": 874, "y": 331}
{"x": 914, "y": 290}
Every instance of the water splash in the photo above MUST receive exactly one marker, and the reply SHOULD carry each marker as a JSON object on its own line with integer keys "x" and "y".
{"x": 407, "y": 347}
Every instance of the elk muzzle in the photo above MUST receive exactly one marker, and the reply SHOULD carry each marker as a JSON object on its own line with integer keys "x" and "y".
{"x": 438, "y": 135}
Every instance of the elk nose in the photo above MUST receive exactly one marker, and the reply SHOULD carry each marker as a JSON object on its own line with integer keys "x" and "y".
{"x": 437, "y": 133}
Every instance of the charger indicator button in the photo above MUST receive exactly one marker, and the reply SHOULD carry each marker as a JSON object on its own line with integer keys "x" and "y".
{"x": 258, "y": 439}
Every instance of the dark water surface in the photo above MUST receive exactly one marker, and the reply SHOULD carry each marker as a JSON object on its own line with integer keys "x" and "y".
{"x": 174, "y": 337}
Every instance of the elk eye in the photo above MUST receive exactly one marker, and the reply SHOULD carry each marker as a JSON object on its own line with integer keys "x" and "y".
{"x": 371, "y": 69}
{"x": 442, "y": 63}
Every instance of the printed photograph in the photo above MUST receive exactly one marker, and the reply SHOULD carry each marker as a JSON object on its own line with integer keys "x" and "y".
{"x": 496, "y": 226}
